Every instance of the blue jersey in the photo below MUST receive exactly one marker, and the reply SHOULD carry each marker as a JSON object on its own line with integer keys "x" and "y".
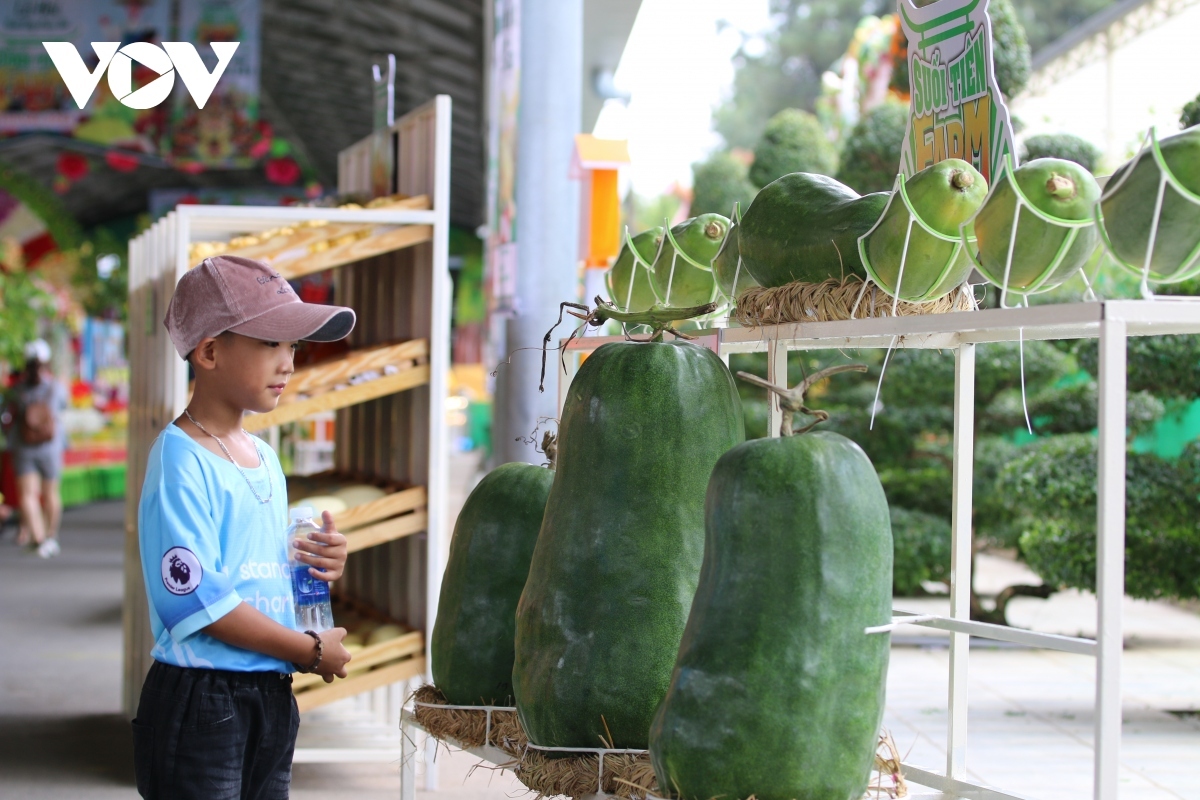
{"x": 207, "y": 544}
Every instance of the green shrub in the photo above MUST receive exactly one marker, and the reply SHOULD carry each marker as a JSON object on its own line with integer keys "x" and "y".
{"x": 871, "y": 155}
{"x": 1191, "y": 113}
{"x": 1166, "y": 366}
{"x": 718, "y": 183}
{"x": 1010, "y": 48}
{"x": 794, "y": 141}
{"x": 921, "y": 547}
{"x": 1062, "y": 145}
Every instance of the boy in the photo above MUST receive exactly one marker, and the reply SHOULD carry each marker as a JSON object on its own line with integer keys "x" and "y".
{"x": 217, "y": 718}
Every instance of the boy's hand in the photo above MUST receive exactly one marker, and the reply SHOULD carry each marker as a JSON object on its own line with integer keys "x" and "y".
{"x": 335, "y": 656}
{"x": 325, "y": 550}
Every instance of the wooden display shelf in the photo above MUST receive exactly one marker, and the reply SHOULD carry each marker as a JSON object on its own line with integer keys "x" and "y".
{"x": 368, "y": 659}
{"x": 402, "y": 512}
{"x": 303, "y": 249}
{"x": 410, "y": 359}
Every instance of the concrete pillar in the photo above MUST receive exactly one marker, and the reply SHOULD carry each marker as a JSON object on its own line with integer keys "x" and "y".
{"x": 547, "y": 215}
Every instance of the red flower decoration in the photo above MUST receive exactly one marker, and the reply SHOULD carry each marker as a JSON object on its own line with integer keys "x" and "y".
{"x": 72, "y": 166}
{"x": 283, "y": 171}
{"x": 260, "y": 148}
{"x": 120, "y": 161}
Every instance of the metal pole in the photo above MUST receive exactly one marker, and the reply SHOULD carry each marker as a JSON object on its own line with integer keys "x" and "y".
{"x": 960, "y": 556}
{"x": 776, "y": 374}
{"x": 1110, "y": 556}
{"x": 547, "y": 215}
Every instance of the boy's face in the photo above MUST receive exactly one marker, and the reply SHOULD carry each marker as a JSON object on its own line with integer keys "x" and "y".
{"x": 250, "y": 373}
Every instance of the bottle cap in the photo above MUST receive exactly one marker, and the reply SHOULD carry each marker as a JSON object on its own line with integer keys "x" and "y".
{"x": 301, "y": 512}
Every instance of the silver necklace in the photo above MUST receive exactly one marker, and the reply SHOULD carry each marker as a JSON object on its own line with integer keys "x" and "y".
{"x": 225, "y": 450}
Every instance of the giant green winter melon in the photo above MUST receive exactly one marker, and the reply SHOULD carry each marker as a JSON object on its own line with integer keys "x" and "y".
{"x": 1057, "y": 187}
{"x": 778, "y": 692}
{"x": 943, "y": 196}
{"x": 472, "y": 643}
{"x": 680, "y": 281}
{"x": 1128, "y": 206}
{"x": 618, "y": 556}
{"x": 805, "y": 227}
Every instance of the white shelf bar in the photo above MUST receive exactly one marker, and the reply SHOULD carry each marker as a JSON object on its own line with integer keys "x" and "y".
{"x": 1001, "y": 633}
{"x": 961, "y": 540}
{"x": 953, "y": 787}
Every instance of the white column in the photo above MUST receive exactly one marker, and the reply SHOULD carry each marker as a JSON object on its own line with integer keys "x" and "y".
{"x": 960, "y": 556}
{"x": 547, "y": 217}
{"x": 776, "y": 374}
{"x": 1110, "y": 556}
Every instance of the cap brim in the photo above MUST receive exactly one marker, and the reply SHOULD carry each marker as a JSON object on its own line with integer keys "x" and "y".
{"x": 294, "y": 322}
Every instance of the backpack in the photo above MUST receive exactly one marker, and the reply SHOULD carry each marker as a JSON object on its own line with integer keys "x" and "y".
{"x": 37, "y": 424}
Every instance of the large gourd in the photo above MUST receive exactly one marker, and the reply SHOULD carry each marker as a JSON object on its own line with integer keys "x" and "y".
{"x": 629, "y": 281}
{"x": 1130, "y": 198}
{"x": 778, "y": 691}
{"x": 943, "y": 196}
{"x": 494, "y": 537}
{"x": 683, "y": 276}
{"x": 1044, "y": 254}
{"x": 805, "y": 227}
{"x": 619, "y": 552}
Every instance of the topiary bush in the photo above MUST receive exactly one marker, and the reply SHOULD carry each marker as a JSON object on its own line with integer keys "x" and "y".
{"x": 1191, "y": 113}
{"x": 718, "y": 183}
{"x": 871, "y": 154}
{"x": 794, "y": 141}
{"x": 1010, "y": 50}
{"x": 921, "y": 548}
{"x": 1062, "y": 145}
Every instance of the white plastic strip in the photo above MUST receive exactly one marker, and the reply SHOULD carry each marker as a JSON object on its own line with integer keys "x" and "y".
{"x": 1003, "y": 633}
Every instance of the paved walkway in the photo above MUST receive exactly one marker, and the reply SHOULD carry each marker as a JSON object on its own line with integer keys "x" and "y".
{"x": 62, "y": 736}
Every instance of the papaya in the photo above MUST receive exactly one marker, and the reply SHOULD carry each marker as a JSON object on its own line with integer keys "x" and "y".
{"x": 618, "y": 555}
{"x": 490, "y": 551}
{"x": 943, "y": 196}
{"x": 805, "y": 227}
{"x": 1128, "y": 209}
{"x": 678, "y": 280}
{"x": 629, "y": 281}
{"x": 778, "y": 692}
{"x": 731, "y": 279}
{"x": 1057, "y": 187}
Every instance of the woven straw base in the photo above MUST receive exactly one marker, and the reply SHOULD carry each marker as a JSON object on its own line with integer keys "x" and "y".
{"x": 462, "y": 726}
{"x": 833, "y": 300}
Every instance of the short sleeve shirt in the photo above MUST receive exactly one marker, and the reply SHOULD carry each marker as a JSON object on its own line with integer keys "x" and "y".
{"x": 207, "y": 544}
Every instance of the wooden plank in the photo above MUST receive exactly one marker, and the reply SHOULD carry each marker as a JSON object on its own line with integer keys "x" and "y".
{"x": 389, "y": 530}
{"x": 340, "y": 398}
{"x": 372, "y": 245}
{"x": 348, "y": 687}
{"x": 384, "y": 507}
{"x": 410, "y": 644}
{"x": 334, "y": 371}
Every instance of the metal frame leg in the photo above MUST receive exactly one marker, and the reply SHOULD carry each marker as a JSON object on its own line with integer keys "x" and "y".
{"x": 408, "y": 760}
{"x": 960, "y": 556}
{"x": 776, "y": 374}
{"x": 1110, "y": 556}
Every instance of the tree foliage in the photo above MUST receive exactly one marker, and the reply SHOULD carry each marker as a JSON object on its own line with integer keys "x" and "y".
{"x": 22, "y": 304}
{"x": 717, "y": 183}
{"x": 793, "y": 141}
{"x": 1010, "y": 52}
{"x": 1191, "y": 113}
{"x": 871, "y": 153}
{"x": 1062, "y": 145}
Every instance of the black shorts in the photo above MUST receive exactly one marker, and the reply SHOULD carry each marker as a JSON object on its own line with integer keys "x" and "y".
{"x": 210, "y": 734}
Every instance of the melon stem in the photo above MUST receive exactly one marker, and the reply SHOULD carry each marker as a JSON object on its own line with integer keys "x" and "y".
{"x": 791, "y": 401}
{"x": 1061, "y": 187}
{"x": 962, "y": 180}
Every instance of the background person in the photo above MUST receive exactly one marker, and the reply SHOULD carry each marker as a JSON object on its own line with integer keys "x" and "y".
{"x": 36, "y": 441}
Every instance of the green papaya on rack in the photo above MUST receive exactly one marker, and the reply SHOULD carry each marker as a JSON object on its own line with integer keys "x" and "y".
{"x": 1044, "y": 254}
{"x": 732, "y": 278}
{"x": 630, "y": 281}
{"x": 618, "y": 555}
{"x": 805, "y": 227}
{"x": 684, "y": 277}
{"x": 472, "y": 642}
{"x": 1128, "y": 207}
{"x": 778, "y": 691}
{"x": 943, "y": 196}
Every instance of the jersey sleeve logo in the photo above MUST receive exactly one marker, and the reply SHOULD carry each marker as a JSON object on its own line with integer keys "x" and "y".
{"x": 181, "y": 571}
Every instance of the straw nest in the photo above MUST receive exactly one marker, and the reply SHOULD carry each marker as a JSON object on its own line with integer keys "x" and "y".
{"x": 832, "y": 300}
{"x": 466, "y": 727}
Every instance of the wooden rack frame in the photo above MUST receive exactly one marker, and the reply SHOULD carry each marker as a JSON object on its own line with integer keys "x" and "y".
{"x": 391, "y": 265}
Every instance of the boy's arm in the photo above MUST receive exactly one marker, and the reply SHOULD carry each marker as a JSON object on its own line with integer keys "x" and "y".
{"x": 250, "y": 629}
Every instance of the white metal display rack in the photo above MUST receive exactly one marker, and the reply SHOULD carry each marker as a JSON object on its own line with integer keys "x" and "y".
{"x": 1109, "y": 321}
{"x": 390, "y": 265}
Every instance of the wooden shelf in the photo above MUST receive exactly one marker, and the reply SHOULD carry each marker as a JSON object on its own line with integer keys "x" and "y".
{"x": 341, "y": 688}
{"x": 305, "y": 248}
{"x": 410, "y": 359}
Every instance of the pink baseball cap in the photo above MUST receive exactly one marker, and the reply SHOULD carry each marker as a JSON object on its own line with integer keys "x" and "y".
{"x": 245, "y": 296}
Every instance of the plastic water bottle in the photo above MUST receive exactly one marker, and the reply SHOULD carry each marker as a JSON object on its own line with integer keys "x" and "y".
{"x": 311, "y": 595}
